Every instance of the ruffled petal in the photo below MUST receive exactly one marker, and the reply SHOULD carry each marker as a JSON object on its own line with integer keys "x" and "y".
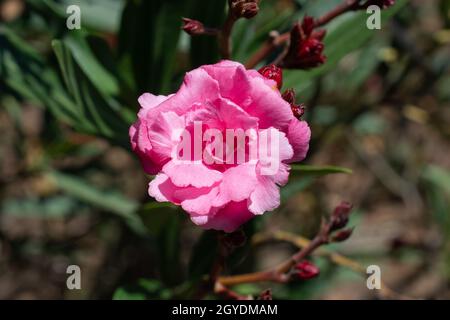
{"x": 266, "y": 197}
{"x": 229, "y": 218}
{"x": 299, "y": 135}
{"x": 194, "y": 174}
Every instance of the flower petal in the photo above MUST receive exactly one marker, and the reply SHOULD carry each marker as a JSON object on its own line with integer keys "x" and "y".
{"x": 228, "y": 218}
{"x": 268, "y": 106}
{"x": 266, "y": 197}
{"x": 299, "y": 135}
{"x": 194, "y": 174}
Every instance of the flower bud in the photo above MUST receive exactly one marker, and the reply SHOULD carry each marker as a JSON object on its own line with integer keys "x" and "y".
{"x": 339, "y": 218}
{"x": 289, "y": 96}
{"x": 274, "y": 73}
{"x": 266, "y": 295}
{"x": 297, "y": 109}
{"x": 342, "y": 235}
{"x": 384, "y": 4}
{"x": 244, "y": 8}
{"x": 306, "y": 47}
{"x": 193, "y": 27}
{"x": 306, "y": 270}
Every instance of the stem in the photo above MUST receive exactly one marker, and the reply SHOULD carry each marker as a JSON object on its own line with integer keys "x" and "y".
{"x": 249, "y": 278}
{"x": 210, "y": 283}
{"x": 225, "y": 36}
{"x": 211, "y": 31}
{"x": 385, "y": 292}
{"x": 219, "y": 263}
{"x": 280, "y": 272}
{"x": 348, "y": 5}
{"x": 319, "y": 240}
{"x": 271, "y": 44}
{"x": 227, "y": 293}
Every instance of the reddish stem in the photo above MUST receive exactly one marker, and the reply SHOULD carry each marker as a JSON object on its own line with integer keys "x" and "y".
{"x": 225, "y": 36}
{"x": 281, "y": 272}
{"x": 348, "y": 5}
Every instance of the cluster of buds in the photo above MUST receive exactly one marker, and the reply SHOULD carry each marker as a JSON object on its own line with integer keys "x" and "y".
{"x": 275, "y": 73}
{"x": 243, "y": 8}
{"x": 306, "y": 46}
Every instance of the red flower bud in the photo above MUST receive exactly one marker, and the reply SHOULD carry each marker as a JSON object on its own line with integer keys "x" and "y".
{"x": 274, "y": 73}
{"x": 297, "y": 109}
{"x": 342, "y": 235}
{"x": 306, "y": 47}
{"x": 244, "y": 8}
{"x": 339, "y": 218}
{"x": 193, "y": 27}
{"x": 289, "y": 96}
{"x": 307, "y": 26}
{"x": 266, "y": 295}
{"x": 384, "y": 4}
{"x": 306, "y": 270}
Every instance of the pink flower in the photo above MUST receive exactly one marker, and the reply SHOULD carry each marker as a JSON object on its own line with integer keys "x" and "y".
{"x": 220, "y": 98}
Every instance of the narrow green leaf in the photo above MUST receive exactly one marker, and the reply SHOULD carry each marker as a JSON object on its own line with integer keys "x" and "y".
{"x": 203, "y": 255}
{"x": 148, "y": 42}
{"x": 304, "y": 170}
{"x": 169, "y": 250}
{"x": 144, "y": 289}
{"x": 108, "y": 201}
{"x": 439, "y": 177}
{"x": 103, "y": 80}
{"x": 204, "y": 50}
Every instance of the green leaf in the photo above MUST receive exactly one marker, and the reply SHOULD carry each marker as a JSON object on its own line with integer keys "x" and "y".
{"x": 304, "y": 175}
{"x": 155, "y": 215}
{"x": 24, "y": 71}
{"x": 148, "y": 42}
{"x": 163, "y": 221}
{"x": 97, "y": 112}
{"x": 203, "y": 255}
{"x": 439, "y": 177}
{"x": 108, "y": 201}
{"x": 99, "y": 15}
{"x": 308, "y": 170}
{"x": 205, "y": 50}
{"x": 169, "y": 250}
{"x": 144, "y": 289}
{"x": 100, "y": 77}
